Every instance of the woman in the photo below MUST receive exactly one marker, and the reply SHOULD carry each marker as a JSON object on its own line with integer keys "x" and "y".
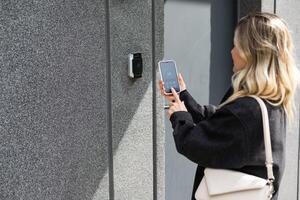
{"x": 230, "y": 136}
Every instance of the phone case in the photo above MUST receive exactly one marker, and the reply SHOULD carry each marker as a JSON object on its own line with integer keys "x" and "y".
{"x": 161, "y": 73}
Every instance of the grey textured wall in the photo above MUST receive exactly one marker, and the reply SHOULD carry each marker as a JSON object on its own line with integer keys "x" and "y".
{"x": 132, "y": 110}
{"x": 72, "y": 124}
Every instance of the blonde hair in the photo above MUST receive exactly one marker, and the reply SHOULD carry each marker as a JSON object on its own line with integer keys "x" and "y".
{"x": 264, "y": 41}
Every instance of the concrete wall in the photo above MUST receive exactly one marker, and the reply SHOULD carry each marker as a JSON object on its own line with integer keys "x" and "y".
{"x": 73, "y": 125}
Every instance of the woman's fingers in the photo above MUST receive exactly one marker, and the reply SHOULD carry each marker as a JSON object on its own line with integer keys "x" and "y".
{"x": 170, "y": 98}
{"x": 181, "y": 82}
{"x": 179, "y": 78}
{"x": 177, "y": 99}
{"x": 161, "y": 87}
{"x": 160, "y": 84}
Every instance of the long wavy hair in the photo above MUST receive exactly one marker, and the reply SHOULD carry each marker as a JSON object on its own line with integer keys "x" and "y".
{"x": 264, "y": 41}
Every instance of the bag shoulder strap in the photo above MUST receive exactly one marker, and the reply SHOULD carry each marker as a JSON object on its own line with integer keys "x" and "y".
{"x": 267, "y": 137}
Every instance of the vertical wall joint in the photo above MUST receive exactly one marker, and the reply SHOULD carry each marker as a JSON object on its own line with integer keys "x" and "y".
{"x": 109, "y": 103}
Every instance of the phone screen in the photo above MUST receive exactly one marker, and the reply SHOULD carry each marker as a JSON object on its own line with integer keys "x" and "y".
{"x": 169, "y": 76}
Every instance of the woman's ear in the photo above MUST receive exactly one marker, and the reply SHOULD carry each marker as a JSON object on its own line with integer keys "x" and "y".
{"x": 238, "y": 61}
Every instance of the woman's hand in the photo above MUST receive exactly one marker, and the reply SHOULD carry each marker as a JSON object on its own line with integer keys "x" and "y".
{"x": 182, "y": 84}
{"x": 170, "y": 98}
{"x": 178, "y": 105}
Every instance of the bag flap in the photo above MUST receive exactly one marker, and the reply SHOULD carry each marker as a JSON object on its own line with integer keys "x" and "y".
{"x": 220, "y": 181}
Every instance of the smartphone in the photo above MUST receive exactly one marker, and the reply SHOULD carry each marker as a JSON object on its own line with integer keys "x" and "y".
{"x": 168, "y": 74}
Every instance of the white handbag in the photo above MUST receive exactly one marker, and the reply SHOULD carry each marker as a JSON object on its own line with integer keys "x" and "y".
{"x": 225, "y": 184}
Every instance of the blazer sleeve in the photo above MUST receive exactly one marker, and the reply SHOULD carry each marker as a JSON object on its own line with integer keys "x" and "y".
{"x": 218, "y": 142}
{"x": 198, "y": 112}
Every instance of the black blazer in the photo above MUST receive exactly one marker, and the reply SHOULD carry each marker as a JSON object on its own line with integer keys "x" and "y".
{"x": 230, "y": 137}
